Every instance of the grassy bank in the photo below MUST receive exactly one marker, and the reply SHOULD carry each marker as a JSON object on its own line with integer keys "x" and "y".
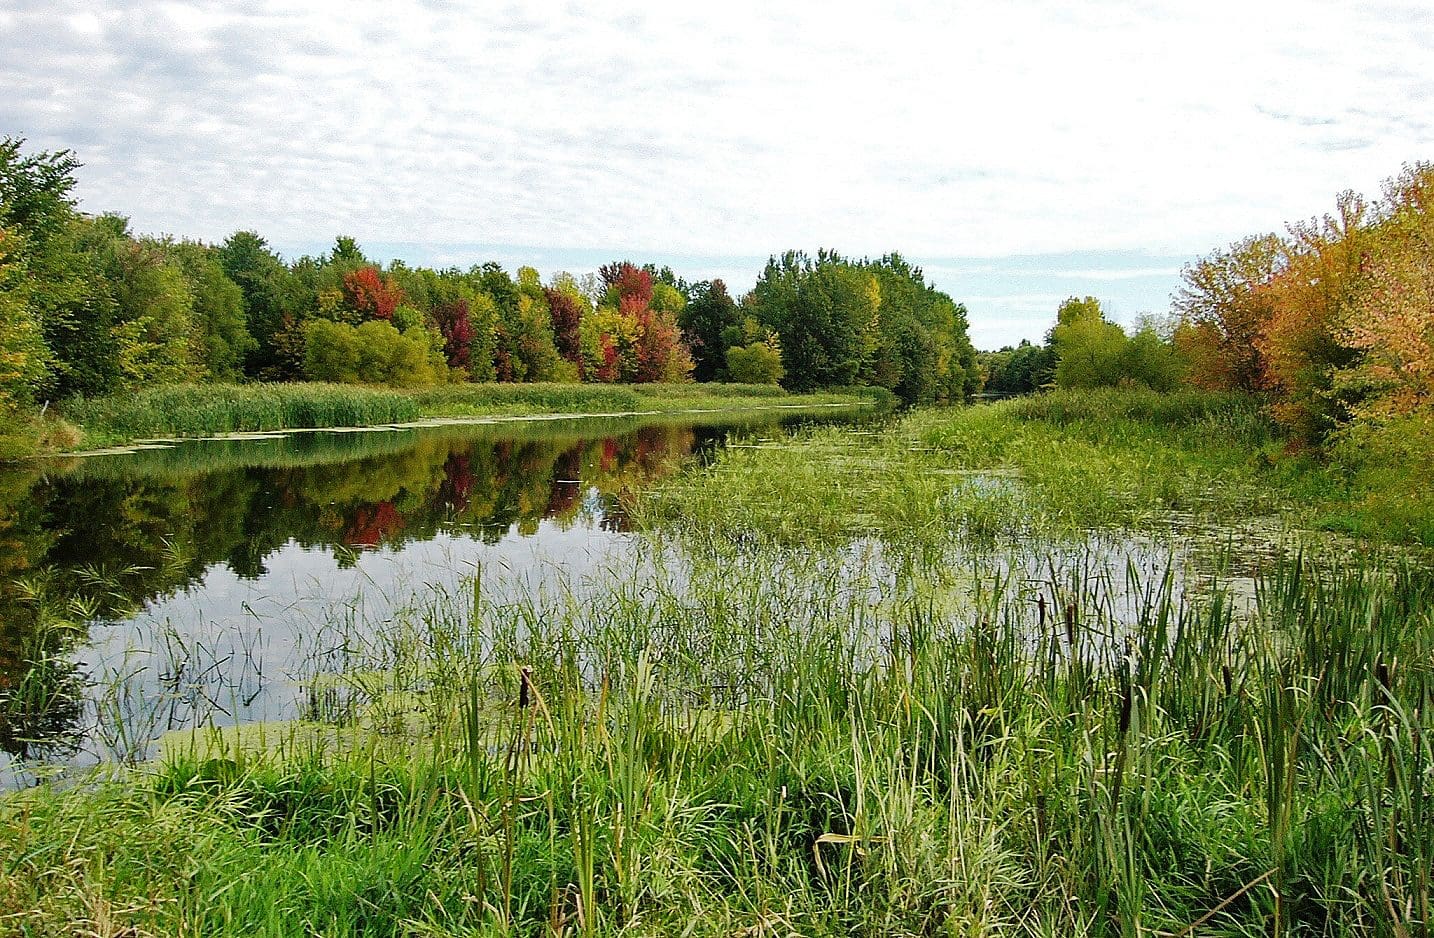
{"x": 210, "y": 410}
{"x": 1055, "y": 463}
{"x": 859, "y": 683}
{"x": 762, "y": 746}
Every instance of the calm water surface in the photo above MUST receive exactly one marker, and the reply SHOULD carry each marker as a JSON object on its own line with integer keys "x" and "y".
{"x": 202, "y": 582}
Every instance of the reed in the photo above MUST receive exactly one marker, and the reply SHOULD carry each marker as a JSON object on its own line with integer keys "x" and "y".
{"x": 894, "y": 725}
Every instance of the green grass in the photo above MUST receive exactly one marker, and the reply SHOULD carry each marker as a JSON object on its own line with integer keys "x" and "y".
{"x": 1055, "y": 464}
{"x": 859, "y": 683}
{"x": 211, "y": 409}
{"x": 215, "y": 409}
{"x": 758, "y": 745}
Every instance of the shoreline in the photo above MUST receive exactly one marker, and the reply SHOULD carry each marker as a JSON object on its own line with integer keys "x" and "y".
{"x": 436, "y": 420}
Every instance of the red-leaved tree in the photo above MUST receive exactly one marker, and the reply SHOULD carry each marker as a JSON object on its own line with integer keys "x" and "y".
{"x": 630, "y": 282}
{"x": 457, "y": 330}
{"x": 371, "y": 294}
{"x": 567, "y": 316}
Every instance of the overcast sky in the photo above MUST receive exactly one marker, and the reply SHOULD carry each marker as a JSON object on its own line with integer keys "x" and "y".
{"x": 1020, "y": 151}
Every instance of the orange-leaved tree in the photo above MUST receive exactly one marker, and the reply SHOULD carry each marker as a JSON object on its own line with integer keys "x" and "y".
{"x": 1223, "y": 309}
{"x": 1391, "y": 323}
{"x": 1310, "y": 299}
{"x": 370, "y": 294}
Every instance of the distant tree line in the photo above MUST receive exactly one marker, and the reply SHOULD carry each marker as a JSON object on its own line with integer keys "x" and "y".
{"x": 89, "y": 307}
{"x": 1333, "y": 321}
{"x": 1085, "y": 349}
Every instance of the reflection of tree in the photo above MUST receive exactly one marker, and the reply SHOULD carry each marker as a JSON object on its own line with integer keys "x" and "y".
{"x": 39, "y": 687}
{"x": 116, "y": 535}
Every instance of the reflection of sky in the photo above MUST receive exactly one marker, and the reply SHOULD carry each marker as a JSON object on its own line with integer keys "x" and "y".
{"x": 231, "y": 650}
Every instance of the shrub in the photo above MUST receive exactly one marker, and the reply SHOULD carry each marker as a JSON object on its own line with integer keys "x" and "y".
{"x": 757, "y": 363}
{"x": 372, "y": 353}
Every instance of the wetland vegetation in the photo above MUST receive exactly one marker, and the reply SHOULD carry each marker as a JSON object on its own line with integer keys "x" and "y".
{"x": 949, "y": 673}
{"x": 1147, "y": 651}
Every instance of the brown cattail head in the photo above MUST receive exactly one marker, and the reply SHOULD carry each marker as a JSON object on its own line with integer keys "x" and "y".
{"x": 525, "y": 685}
{"x": 1229, "y": 678}
{"x": 1384, "y": 674}
{"x": 1041, "y": 609}
{"x": 1071, "y": 624}
{"x": 1127, "y": 687}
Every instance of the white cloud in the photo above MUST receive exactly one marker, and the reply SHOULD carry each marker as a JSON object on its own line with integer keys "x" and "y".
{"x": 967, "y": 129}
{"x": 1135, "y": 273}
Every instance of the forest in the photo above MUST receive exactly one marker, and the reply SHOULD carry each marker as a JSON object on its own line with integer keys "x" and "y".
{"x": 92, "y": 308}
{"x": 1329, "y": 322}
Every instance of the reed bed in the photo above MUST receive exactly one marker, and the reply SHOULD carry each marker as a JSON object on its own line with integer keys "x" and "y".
{"x": 212, "y": 409}
{"x": 772, "y": 742}
{"x": 216, "y": 409}
{"x": 862, "y": 682}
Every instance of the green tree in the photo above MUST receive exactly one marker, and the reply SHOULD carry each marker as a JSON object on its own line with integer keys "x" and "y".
{"x": 264, "y": 284}
{"x": 24, "y": 359}
{"x": 68, "y": 295}
{"x": 221, "y": 329}
{"x": 1149, "y": 359}
{"x": 1090, "y": 350}
{"x": 705, "y": 322}
{"x": 153, "y": 331}
{"x": 1022, "y": 369}
{"x": 757, "y": 363}
{"x": 819, "y": 307}
{"x": 373, "y": 352}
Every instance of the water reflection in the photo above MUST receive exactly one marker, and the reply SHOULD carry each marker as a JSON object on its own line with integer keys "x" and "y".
{"x": 233, "y": 550}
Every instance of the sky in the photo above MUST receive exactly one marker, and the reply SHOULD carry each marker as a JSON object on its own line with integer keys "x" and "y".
{"x": 1020, "y": 151}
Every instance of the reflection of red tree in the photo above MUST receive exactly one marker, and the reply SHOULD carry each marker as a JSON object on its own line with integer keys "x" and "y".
{"x": 457, "y": 484}
{"x": 565, "y": 488}
{"x": 372, "y": 523}
{"x": 609, "y": 454}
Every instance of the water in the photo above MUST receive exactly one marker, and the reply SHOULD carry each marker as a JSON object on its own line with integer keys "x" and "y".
{"x": 205, "y": 582}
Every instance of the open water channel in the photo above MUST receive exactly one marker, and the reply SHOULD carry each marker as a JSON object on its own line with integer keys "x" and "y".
{"x": 200, "y": 582}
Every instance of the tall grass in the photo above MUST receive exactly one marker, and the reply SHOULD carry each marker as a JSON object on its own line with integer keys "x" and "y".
{"x": 540, "y": 398}
{"x": 210, "y": 409}
{"x": 214, "y": 409}
{"x": 767, "y": 742}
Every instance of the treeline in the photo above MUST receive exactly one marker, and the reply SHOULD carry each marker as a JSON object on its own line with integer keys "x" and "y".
{"x": 1333, "y": 321}
{"x": 88, "y": 308}
{"x": 1085, "y": 349}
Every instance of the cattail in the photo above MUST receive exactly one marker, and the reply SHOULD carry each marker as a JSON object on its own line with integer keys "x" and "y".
{"x": 1384, "y": 674}
{"x": 525, "y": 684}
{"x": 1229, "y": 681}
{"x": 1127, "y": 688}
{"x": 1070, "y": 624}
{"x": 1041, "y": 609}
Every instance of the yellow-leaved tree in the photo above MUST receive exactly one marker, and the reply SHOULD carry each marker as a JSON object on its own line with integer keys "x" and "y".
{"x": 1391, "y": 324}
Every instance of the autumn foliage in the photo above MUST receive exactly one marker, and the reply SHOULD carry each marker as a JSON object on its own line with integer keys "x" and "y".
{"x": 1334, "y": 321}
{"x": 566, "y": 317}
{"x": 632, "y": 336}
{"x": 370, "y": 294}
{"x": 456, "y": 328}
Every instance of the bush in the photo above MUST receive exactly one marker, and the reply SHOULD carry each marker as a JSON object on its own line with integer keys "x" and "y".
{"x": 757, "y": 363}
{"x": 372, "y": 353}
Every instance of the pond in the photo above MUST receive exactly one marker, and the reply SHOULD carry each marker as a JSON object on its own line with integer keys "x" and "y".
{"x": 201, "y": 582}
